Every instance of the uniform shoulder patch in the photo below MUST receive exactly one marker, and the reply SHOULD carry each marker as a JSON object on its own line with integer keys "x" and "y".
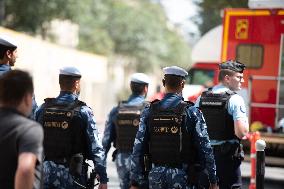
{"x": 242, "y": 109}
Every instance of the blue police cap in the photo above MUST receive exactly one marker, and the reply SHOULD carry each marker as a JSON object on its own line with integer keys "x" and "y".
{"x": 175, "y": 70}
{"x": 232, "y": 65}
{"x": 8, "y": 42}
{"x": 140, "y": 78}
{"x": 71, "y": 71}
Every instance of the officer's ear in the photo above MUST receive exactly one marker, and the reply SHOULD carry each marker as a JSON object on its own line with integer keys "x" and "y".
{"x": 164, "y": 82}
{"x": 182, "y": 83}
{"x": 227, "y": 78}
{"x": 77, "y": 84}
{"x": 27, "y": 103}
{"x": 9, "y": 53}
{"x": 146, "y": 89}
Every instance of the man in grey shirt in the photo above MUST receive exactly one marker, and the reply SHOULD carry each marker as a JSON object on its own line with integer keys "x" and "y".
{"x": 20, "y": 138}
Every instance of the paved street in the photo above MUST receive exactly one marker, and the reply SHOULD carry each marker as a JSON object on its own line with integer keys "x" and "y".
{"x": 112, "y": 173}
{"x": 274, "y": 177}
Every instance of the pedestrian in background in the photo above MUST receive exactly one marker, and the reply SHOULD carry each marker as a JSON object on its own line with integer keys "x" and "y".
{"x": 122, "y": 125}
{"x": 70, "y": 137}
{"x": 8, "y": 54}
{"x": 20, "y": 138}
{"x": 8, "y": 57}
{"x": 171, "y": 133}
{"x": 225, "y": 114}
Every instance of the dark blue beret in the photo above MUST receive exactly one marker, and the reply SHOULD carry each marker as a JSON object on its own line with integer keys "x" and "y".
{"x": 232, "y": 65}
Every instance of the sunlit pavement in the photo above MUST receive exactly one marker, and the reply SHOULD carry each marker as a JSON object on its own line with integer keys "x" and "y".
{"x": 112, "y": 173}
{"x": 274, "y": 176}
{"x": 111, "y": 168}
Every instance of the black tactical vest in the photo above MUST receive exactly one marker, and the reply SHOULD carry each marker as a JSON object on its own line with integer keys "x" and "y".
{"x": 220, "y": 123}
{"x": 127, "y": 123}
{"x": 170, "y": 144}
{"x": 64, "y": 131}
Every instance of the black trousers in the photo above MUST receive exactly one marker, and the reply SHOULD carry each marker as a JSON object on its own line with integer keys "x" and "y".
{"x": 228, "y": 170}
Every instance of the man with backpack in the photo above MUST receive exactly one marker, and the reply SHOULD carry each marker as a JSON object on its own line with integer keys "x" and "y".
{"x": 122, "y": 125}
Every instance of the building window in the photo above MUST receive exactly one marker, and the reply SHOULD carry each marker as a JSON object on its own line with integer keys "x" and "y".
{"x": 250, "y": 55}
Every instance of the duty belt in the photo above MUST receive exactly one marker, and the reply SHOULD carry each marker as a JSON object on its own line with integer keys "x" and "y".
{"x": 62, "y": 161}
{"x": 224, "y": 148}
{"x": 171, "y": 165}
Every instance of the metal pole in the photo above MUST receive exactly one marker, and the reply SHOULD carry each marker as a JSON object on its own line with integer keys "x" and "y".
{"x": 253, "y": 138}
{"x": 260, "y": 163}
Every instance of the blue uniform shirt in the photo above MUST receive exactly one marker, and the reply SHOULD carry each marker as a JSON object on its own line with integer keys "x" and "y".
{"x": 194, "y": 124}
{"x": 94, "y": 143}
{"x": 4, "y": 68}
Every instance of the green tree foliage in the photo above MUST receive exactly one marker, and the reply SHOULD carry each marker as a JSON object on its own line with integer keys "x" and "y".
{"x": 135, "y": 30}
{"x": 33, "y": 16}
{"x": 93, "y": 34}
{"x": 138, "y": 32}
{"x": 209, "y": 13}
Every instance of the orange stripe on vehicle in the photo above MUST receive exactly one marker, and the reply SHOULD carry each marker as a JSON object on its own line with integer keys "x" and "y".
{"x": 227, "y": 23}
{"x": 281, "y": 12}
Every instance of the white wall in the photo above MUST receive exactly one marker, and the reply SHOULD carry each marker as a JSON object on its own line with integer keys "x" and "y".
{"x": 43, "y": 60}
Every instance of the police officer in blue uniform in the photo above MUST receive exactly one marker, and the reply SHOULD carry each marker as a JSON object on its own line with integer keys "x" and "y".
{"x": 225, "y": 114}
{"x": 171, "y": 133}
{"x": 8, "y": 56}
{"x": 122, "y": 125}
{"x": 70, "y": 137}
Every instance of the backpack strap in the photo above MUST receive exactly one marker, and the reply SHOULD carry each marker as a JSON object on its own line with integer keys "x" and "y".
{"x": 49, "y": 101}
{"x": 229, "y": 92}
{"x": 73, "y": 105}
{"x": 154, "y": 105}
{"x": 182, "y": 105}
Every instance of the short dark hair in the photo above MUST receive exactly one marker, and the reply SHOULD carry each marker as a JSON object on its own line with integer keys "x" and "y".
{"x": 137, "y": 88}
{"x": 173, "y": 81}
{"x": 4, "y": 49}
{"x": 67, "y": 81}
{"x": 14, "y": 85}
{"x": 225, "y": 72}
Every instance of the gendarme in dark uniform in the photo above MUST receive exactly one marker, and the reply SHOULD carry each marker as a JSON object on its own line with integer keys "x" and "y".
{"x": 171, "y": 133}
{"x": 225, "y": 114}
{"x": 70, "y": 133}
